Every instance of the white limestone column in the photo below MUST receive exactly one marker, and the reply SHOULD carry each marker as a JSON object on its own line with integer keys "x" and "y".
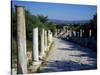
{"x": 75, "y": 34}
{"x": 49, "y": 37}
{"x": 64, "y": 28}
{"x": 45, "y": 35}
{"x": 35, "y": 45}
{"x": 81, "y": 33}
{"x": 55, "y": 32}
{"x": 70, "y": 33}
{"x": 42, "y": 43}
{"x": 90, "y": 33}
{"x": 21, "y": 40}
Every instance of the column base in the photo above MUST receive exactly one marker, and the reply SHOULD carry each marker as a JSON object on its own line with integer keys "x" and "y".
{"x": 36, "y": 63}
{"x": 42, "y": 56}
{"x": 35, "y": 66}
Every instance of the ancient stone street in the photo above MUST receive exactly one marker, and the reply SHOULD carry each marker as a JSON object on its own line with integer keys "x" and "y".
{"x": 67, "y": 56}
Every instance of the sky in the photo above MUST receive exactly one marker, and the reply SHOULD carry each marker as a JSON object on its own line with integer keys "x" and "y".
{"x": 68, "y": 12}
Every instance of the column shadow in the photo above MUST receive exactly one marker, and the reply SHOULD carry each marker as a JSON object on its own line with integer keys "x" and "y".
{"x": 59, "y": 66}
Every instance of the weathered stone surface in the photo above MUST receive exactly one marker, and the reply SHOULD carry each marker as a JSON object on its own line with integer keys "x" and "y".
{"x": 42, "y": 44}
{"x": 21, "y": 39}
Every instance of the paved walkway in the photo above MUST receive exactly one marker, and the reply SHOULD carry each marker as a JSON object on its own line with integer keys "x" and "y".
{"x": 67, "y": 56}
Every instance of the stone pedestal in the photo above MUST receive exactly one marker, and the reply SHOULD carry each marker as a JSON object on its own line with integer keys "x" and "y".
{"x": 21, "y": 40}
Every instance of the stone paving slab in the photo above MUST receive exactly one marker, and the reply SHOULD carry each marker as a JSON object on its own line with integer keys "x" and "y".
{"x": 67, "y": 56}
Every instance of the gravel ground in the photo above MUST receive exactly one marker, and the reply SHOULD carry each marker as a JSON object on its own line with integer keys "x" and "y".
{"x": 67, "y": 56}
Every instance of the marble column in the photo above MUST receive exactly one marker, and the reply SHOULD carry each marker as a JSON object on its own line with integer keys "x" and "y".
{"x": 55, "y": 32}
{"x": 45, "y": 36}
{"x": 81, "y": 33}
{"x": 42, "y": 43}
{"x": 21, "y": 40}
{"x": 74, "y": 32}
{"x": 70, "y": 33}
{"x": 49, "y": 37}
{"x": 64, "y": 28}
{"x": 35, "y": 45}
{"x": 90, "y": 33}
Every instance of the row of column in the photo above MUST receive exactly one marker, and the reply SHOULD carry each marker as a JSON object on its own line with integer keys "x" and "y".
{"x": 87, "y": 32}
{"x": 80, "y": 33}
{"x": 74, "y": 33}
{"x": 46, "y": 40}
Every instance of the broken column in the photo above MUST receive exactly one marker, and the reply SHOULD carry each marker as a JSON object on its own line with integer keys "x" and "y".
{"x": 21, "y": 40}
{"x": 35, "y": 46}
